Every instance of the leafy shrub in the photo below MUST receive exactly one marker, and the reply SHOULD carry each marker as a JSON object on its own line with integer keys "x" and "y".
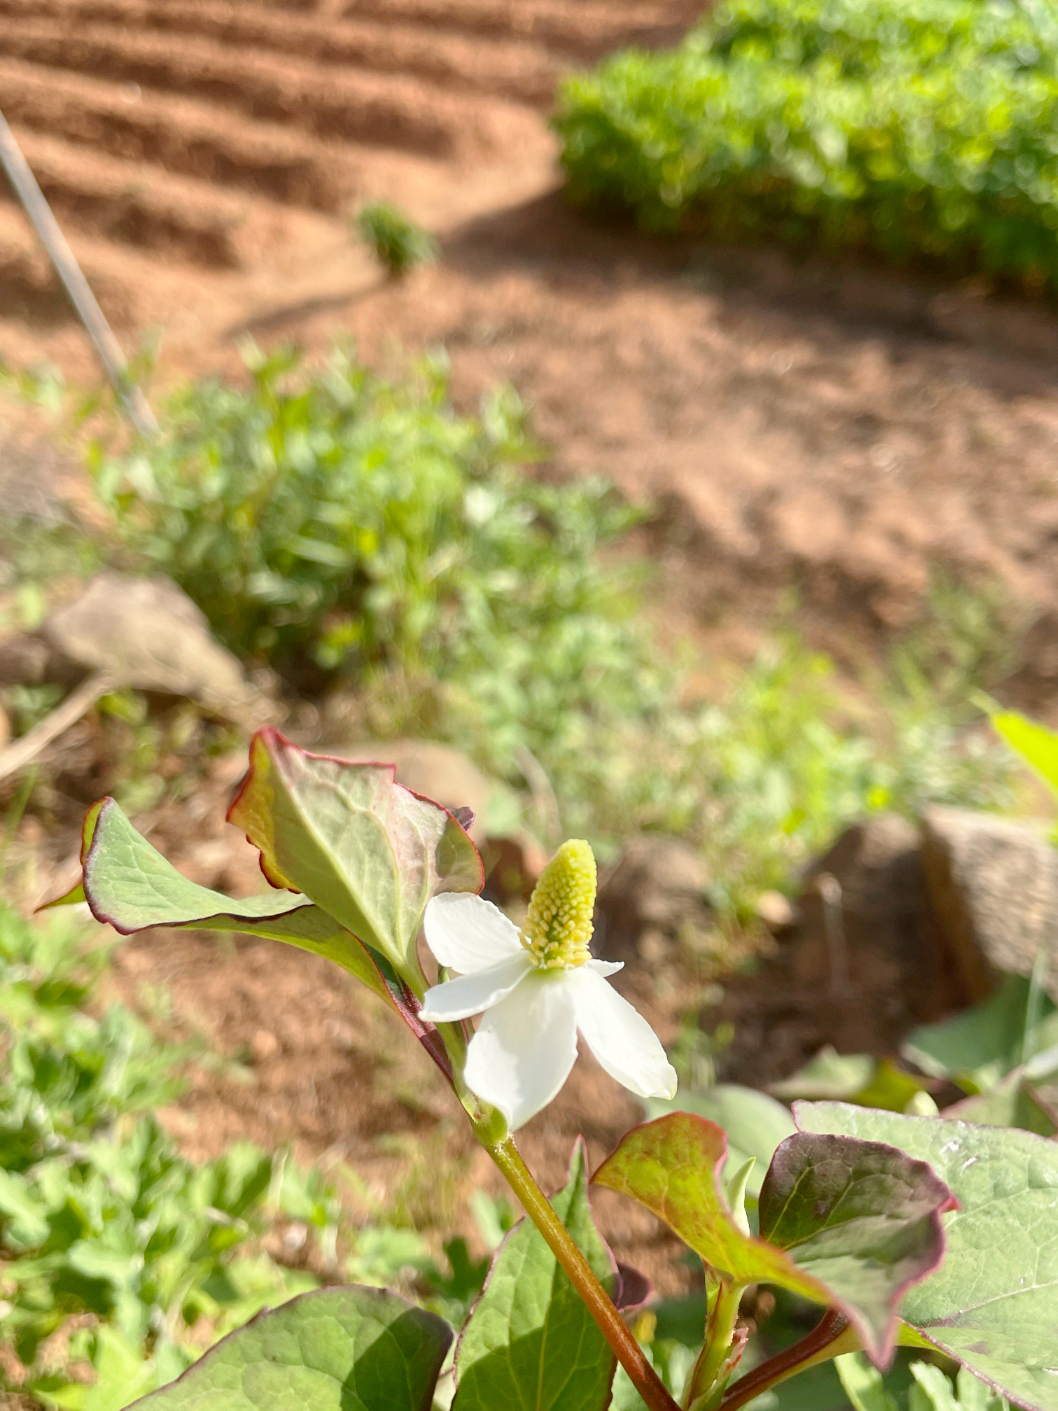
{"x": 338, "y": 515}
{"x": 908, "y": 128}
{"x": 399, "y": 244}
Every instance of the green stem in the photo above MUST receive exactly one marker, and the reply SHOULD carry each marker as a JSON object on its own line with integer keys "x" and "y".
{"x": 581, "y": 1275}
{"x": 718, "y": 1339}
{"x": 831, "y": 1337}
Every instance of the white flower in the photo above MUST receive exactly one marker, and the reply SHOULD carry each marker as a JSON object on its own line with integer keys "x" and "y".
{"x": 536, "y": 988}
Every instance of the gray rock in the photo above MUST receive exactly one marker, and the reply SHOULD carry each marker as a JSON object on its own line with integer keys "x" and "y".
{"x": 866, "y": 935}
{"x": 655, "y": 894}
{"x": 993, "y": 885}
{"x": 152, "y": 637}
{"x": 145, "y": 633}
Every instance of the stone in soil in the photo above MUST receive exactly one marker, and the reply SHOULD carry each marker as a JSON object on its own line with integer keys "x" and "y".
{"x": 993, "y": 885}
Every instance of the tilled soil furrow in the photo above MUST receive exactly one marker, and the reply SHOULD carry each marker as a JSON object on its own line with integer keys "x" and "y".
{"x": 583, "y": 31}
{"x": 394, "y": 111}
{"x": 136, "y": 205}
{"x": 30, "y": 289}
{"x": 183, "y": 136}
{"x": 519, "y": 71}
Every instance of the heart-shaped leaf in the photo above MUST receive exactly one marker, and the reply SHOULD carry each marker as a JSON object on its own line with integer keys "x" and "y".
{"x": 530, "y": 1340}
{"x": 346, "y": 1349}
{"x": 130, "y": 885}
{"x": 368, "y": 851}
{"x": 847, "y": 1224}
{"x": 754, "y": 1122}
{"x": 993, "y": 1304}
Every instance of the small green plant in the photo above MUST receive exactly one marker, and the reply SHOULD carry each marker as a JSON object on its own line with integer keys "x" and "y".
{"x": 116, "y": 1253}
{"x": 398, "y": 243}
{"x": 907, "y": 127}
{"x": 929, "y": 1389}
{"x": 906, "y": 1230}
{"x": 333, "y": 515}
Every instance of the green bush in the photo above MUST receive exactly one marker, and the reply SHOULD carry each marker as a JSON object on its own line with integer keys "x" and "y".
{"x": 398, "y": 243}
{"x": 909, "y": 127}
{"x": 333, "y": 514}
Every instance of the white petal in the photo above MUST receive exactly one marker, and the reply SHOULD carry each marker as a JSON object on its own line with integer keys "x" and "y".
{"x": 470, "y": 994}
{"x": 619, "y": 1037}
{"x": 467, "y": 933}
{"x": 525, "y": 1047}
{"x": 606, "y": 967}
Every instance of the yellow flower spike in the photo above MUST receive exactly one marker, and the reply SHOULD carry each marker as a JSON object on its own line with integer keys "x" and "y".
{"x": 538, "y": 991}
{"x": 558, "y": 929}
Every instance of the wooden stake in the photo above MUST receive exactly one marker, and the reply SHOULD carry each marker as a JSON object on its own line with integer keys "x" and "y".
{"x": 77, "y": 287}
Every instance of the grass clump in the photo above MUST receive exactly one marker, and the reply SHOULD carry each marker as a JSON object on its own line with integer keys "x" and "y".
{"x": 397, "y": 242}
{"x": 907, "y": 127}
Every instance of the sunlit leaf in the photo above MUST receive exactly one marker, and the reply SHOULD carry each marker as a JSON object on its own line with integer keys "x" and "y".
{"x": 754, "y": 1122}
{"x": 368, "y": 851}
{"x": 1036, "y": 744}
{"x": 130, "y": 885}
{"x": 845, "y": 1224}
{"x": 344, "y": 1349}
{"x": 530, "y": 1340}
{"x": 993, "y": 1303}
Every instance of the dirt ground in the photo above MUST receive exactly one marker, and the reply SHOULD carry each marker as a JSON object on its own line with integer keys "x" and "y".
{"x": 801, "y": 423}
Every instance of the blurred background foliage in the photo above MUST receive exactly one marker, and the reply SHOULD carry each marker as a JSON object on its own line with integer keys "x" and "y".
{"x": 913, "y": 128}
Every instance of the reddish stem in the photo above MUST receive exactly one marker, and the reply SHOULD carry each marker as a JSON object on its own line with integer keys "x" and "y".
{"x": 581, "y": 1275}
{"x": 812, "y": 1348}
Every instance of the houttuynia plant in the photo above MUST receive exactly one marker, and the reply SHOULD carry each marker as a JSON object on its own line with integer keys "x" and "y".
{"x": 906, "y": 1231}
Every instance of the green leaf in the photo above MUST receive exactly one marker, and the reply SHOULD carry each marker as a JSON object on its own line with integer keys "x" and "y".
{"x": 754, "y": 1122}
{"x": 1013, "y": 1102}
{"x": 845, "y": 1224}
{"x": 993, "y": 1304}
{"x": 345, "y": 1349}
{"x": 88, "y": 828}
{"x": 23, "y": 1217}
{"x": 977, "y": 1046}
{"x": 828, "y": 1074}
{"x": 852, "y": 1077}
{"x": 530, "y": 1340}
{"x": 1036, "y": 745}
{"x": 130, "y": 885}
{"x": 864, "y": 1384}
{"x": 368, "y": 851}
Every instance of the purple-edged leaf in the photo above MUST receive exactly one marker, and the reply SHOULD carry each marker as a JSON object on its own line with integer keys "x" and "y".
{"x": 993, "y": 1303}
{"x": 754, "y": 1122}
{"x": 860, "y": 1216}
{"x": 130, "y": 885}
{"x": 88, "y": 828}
{"x": 368, "y": 851}
{"x": 861, "y": 1265}
{"x": 530, "y": 1340}
{"x": 343, "y": 1349}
